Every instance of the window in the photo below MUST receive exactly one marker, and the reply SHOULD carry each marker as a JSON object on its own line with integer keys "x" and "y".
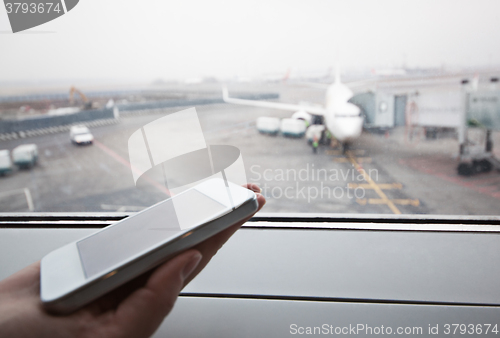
{"x": 393, "y": 115}
{"x": 371, "y": 127}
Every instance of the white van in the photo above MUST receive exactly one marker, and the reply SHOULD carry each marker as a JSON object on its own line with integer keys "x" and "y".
{"x": 268, "y": 125}
{"x": 293, "y": 127}
{"x": 80, "y": 135}
{"x": 25, "y": 156}
{"x": 5, "y": 162}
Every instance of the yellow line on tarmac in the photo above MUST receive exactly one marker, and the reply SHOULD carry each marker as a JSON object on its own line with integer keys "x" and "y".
{"x": 360, "y": 160}
{"x": 414, "y": 202}
{"x": 361, "y": 201}
{"x": 373, "y": 185}
{"x": 383, "y": 186}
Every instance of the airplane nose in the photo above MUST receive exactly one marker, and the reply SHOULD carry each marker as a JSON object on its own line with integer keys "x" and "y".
{"x": 348, "y": 128}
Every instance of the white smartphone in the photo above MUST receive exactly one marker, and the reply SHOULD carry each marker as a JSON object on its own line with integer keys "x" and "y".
{"x": 80, "y": 272}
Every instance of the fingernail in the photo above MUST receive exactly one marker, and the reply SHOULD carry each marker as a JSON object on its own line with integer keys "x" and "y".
{"x": 256, "y": 188}
{"x": 191, "y": 265}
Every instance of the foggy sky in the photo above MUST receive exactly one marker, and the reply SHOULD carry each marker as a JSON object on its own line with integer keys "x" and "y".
{"x": 146, "y": 40}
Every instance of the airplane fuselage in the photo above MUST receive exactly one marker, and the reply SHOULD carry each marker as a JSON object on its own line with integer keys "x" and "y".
{"x": 342, "y": 118}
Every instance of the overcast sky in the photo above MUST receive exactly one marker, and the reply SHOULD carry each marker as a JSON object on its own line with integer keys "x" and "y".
{"x": 146, "y": 40}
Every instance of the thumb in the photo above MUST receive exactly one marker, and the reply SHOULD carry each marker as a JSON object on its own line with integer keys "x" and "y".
{"x": 140, "y": 314}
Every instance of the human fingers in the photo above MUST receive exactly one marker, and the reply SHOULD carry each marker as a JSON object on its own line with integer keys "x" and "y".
{"x": 210, "y": 246}
{"x": 26, "y": 279}
{"x": 140, "y": 314}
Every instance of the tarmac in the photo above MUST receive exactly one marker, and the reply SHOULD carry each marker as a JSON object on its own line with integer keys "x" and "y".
{"x": 381, "y": 174}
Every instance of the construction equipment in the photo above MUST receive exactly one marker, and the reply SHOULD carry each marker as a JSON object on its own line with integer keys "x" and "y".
{"x": 87, "y": 104}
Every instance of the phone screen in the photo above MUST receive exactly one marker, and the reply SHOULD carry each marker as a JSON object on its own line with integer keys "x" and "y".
{"x": 146, "y": 230}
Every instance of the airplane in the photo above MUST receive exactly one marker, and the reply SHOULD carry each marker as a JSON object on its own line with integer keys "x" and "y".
{"x": 341, "y": 118}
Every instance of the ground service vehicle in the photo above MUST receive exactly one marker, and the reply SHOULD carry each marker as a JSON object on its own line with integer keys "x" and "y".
{"x": 81, "y": 135}
{"x": 5, "y": 162}
{"x": 25, "y": 156}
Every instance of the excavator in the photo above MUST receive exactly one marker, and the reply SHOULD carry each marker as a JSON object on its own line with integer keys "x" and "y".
{"x": 87, "y": 104}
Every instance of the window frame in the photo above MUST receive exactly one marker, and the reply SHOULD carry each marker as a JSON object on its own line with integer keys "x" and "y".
{"x": 389, "y": 222}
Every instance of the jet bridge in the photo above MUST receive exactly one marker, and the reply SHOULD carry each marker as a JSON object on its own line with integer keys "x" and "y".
{"x": 460, "y": 109}
{"x": 381, "y": 110}
{"x": 482, "y": 110}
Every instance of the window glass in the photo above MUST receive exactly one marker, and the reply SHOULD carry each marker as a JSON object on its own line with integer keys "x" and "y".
{"x": 341, "y": 107}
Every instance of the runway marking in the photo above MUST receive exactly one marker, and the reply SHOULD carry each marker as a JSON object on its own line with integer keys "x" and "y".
{"x": 360, "y": 160}
{"x": 126, "y": 163}
{"x": 29, "y": 200}
{"x": 383, "y": 186}
{"x": 413, "y": 202}
{"x": 24, "y": 191}
{"x": 373, "y": 185}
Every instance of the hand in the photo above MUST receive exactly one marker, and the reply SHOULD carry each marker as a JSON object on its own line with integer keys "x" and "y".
{"x": 136, "y": 309}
